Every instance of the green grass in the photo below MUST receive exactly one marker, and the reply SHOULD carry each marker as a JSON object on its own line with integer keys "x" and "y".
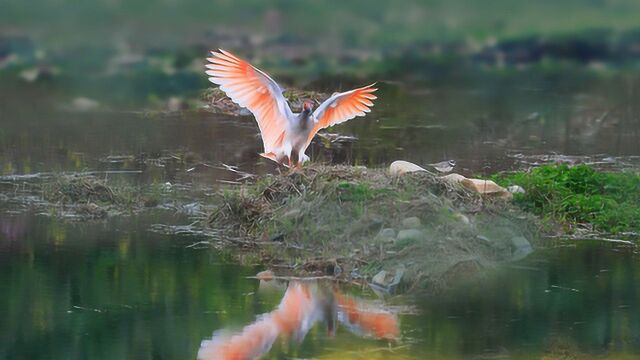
{"x": 573, "y": 195}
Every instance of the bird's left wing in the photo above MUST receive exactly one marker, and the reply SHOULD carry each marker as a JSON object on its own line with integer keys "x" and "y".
{"x": 252, "y": 88}
{"x": 341, "y": 107}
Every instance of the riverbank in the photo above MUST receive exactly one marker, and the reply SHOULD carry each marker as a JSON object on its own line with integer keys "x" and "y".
{"x": 401, "y": 233}
{"x": 413, "y": 231}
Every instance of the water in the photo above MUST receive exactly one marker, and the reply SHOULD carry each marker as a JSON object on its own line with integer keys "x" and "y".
{"x": 115, "y": 290}
{"x": 486, "y": 124}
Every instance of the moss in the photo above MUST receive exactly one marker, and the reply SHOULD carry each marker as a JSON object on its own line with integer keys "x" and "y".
{"x": 580, "y": 195}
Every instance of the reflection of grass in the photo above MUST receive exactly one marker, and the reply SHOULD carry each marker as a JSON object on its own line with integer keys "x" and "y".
{"x": 581, "y": 195}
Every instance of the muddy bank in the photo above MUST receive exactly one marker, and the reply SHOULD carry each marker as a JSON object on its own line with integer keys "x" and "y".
{"x": 352, "y": 223}
{"x": 399, "y": 233}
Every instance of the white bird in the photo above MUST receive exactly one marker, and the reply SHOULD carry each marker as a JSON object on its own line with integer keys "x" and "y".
{"x": 285, "y": 134}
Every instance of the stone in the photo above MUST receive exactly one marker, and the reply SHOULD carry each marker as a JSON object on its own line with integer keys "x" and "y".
{"x": 81, "y": 104}
{"x": 482, "y": 186}
{"x": 409, "y": 234}
{"x": 486, "y": 187}
{"x": 400, "y": 167}
{"x": 521, "y": 248}
{"x": 386, "y": 282}
{"x": 462, "y": 218}
{"x": 453, "y": 179}
{"x": 411, "y": 223}
{"x": 387, "y": 233}
{"x": 379, "y": 278}
{"x": 515, "y": 189}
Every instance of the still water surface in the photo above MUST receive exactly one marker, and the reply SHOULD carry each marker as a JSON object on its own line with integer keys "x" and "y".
{"x": 114, "y": 290}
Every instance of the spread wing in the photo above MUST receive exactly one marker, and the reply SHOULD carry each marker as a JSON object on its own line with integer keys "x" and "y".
{"x": 253, "y": 89}
{"x": 342, "y": 107}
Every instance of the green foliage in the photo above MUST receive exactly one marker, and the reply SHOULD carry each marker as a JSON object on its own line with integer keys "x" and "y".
{"x": 579, "y": 195}
{"x": 358, "y": 192}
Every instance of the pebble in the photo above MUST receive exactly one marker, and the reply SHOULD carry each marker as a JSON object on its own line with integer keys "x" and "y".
{"x": 410, "y": 234}
{"x": 411, "y": 223}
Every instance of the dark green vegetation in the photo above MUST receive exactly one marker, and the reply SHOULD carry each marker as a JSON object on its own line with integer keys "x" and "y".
{"x": 580, "y": 196}
{"x": 152, "y": 58}
{"x": 335, "y": 219}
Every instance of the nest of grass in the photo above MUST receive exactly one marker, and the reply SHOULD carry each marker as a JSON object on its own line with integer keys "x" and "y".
{"x": 80, "y": 189}
{"x": 332, "y": 217}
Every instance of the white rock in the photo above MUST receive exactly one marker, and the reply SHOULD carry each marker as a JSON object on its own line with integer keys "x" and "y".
{"x": 515, "y": 189}
{"x": 400, "y": 167}
{"x": 453, "y": 179}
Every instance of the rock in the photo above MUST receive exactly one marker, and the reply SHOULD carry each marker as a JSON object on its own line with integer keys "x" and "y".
{"x": 482, "y": 186}
{"x": 386, "y": 282}
{"x": 486, "y": 187}
{"x": 266, "y": 275}
{"x": 387, "y": 233}
{"x": 409, "y": 234}
{"x": 82, "y": 104}
{"x": 515, "y": 189}
{"x": 379, "y": 278}
{"x": 462, "y": 218}
{"x": 411, "y": 223}
{"x": 453, "y": 179}
{"x": 400, "y": 167}
{"x": 520, "y": 247}
{"x": 30, "y": 75}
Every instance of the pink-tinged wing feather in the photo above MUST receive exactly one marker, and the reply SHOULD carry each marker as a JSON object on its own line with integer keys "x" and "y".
{"x": 342, "y": 107}
{"x": 253, "y": 89}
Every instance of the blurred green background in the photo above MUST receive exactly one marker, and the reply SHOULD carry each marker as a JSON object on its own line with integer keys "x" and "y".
{"x": 316, "y": 38}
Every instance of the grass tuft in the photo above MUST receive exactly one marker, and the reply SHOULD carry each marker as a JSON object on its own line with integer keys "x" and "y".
{"x": 580, "y": 195}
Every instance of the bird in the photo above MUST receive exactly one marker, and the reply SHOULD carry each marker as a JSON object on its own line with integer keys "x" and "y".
{"x": 285, "y": 134}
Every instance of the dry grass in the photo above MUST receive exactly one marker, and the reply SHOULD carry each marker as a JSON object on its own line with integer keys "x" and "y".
{"x": 326, "y": 219}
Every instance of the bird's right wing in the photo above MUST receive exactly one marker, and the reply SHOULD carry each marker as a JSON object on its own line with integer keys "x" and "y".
{"x": 253, "y": 89}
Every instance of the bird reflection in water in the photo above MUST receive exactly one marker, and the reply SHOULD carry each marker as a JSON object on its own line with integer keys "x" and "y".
{"x": 302, "y": 306}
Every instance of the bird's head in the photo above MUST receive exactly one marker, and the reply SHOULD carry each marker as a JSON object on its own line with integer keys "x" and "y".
{"x": 307, "y": 106}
